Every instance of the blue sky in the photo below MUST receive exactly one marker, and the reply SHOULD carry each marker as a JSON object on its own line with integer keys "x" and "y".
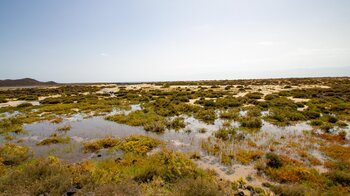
{"x": 157, "y": 40}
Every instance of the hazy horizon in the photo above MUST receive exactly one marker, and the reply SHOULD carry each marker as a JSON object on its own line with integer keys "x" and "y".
{"x": 133, "y": 41}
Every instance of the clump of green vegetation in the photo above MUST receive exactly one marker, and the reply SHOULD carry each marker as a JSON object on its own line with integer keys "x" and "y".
{"x": 10, "y": 125}
{"x": 3, "y": 99}
{"x": 156, "y": 126}
{"x": 148, "y": 119}
{"x": 246, "y": 157}
{"x": 229, "y": 114}
{"x": 12, "y": 154}
{"x": 202, "y": 130}
{"x": 64, "y": 128}
{"x": 24, "y": 105}
{"x": 339, "y": 177}
{"x": 254, "y": 95}
{"x": 250, "y": 122}
{"x": 55, "y": 139}
{"x": 271, "y": 96}
{"x": 225, "y": 133}
{"x": 285, "y": 170}
{"x": 167, "y": 165}
{"x": 98, "y": 144}
{"x": 292, "y": 190}
{"x": 177, "y": 123}
{"x": 137, "y": 144}
{"x": 36, "y": 178}
{"x": 199, "y": 186}
{"x": 273, "y": 160}
{"x": 56, "y": 120}
{"x": 207, "y": 116}
{"x": 284, "y": 116}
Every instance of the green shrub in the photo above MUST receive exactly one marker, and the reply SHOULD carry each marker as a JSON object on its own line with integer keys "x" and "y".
{"x": 339, "y": 177}
{"x": 148, "y": 119}
{"x": 177, "y": 123}
{"x": 199, "y": 186}
{"x": 95, "y": 145}
{"x": 284, "y": 116}
{"x": 37, "y": 178}
{"x": 64, "y": 128}
{"x": 207, "y": 116}
{"x": 250, "y": 122}
{"x": 156, "y": 126}
{"x": 225, "y": 133}
{"x": 124, "y": 188}
{"x": 229, "y": 114}
{"x": 273, "y": 160}
{"x": 55, "y": 140}
{"x": 139, "y": 144}
{"x": 292, "y": 190}
{"x": 24, "y": 105}
{"x": 12, "y": 154}
{"x": 271, "y": 96}
{"x": 254, "y": 95}
{"x": 316, "y": 122}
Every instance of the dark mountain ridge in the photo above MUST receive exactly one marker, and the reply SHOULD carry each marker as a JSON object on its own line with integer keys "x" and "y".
{"x": 25, "y": 82}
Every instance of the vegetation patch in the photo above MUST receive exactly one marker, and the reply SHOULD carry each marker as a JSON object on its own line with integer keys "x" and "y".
{"x": 137, "y": 144}
{"x": 55, "y": 139}
{"x": 148, "y": 119}
{"x": 12, "y": 154}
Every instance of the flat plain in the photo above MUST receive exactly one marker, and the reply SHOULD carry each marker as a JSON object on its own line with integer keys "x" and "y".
{"x": 224, "y": 137}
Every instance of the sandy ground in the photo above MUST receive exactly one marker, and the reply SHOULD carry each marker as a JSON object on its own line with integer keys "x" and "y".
{"x": 237, "y": 172}
{"x": 51, "y": 96}
{"x": 16, "y": 103}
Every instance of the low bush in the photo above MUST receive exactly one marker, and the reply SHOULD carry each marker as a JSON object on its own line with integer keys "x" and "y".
{"x": 245, "y": 157}
{"x": 254, "y": 95}
{"x": 250, "y": 122}
{"x": 12, "y": 154}
{"x": 24, "y": 105}
{"x": 177, "y": 123}
{"x": 207, "y": 116}
{"x": 148, "y": 119}
{"x": 225, "y": 133}
{"x": 292, "y": 190}
{"x": 55, "y": 140}
{"x": 39, "y": 177}
{"x": 139, "y": 144}
{"x": 64, "y": 128}
{"x": 199, "y": 186}
{"x": 273, "y": 160}
{"x": 98, "y": 144}
{"x": 284, "y": 116}
{"x": 229, "y": 114}
{"x": 339, "y": 177}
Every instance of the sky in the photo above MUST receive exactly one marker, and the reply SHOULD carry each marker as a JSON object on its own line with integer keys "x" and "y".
{"x": 165, "y": 40}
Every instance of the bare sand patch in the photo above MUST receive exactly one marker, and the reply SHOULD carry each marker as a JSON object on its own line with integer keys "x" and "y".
{"x": 51, "y": 96}
{"x": 16, "y": 103}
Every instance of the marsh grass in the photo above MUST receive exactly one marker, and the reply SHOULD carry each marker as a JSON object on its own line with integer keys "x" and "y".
{"x": 64, "y": 128}
{"x": 177, "y": 123}
{"x": 12, "y": 154}
{"x": 250, "y": 122}
{"x": 207, "y": 116}
{"x": 283, "y": 117}
{"x": 148, "y": 119}
{"x": 225, "y": 133}
{"x": 137, "y": 144}
{"x": 55, "y": 139}
{"x": 98, "y": 144}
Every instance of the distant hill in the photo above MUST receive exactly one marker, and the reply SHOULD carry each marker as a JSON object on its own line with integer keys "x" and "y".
{"x": 24, "y": 82}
